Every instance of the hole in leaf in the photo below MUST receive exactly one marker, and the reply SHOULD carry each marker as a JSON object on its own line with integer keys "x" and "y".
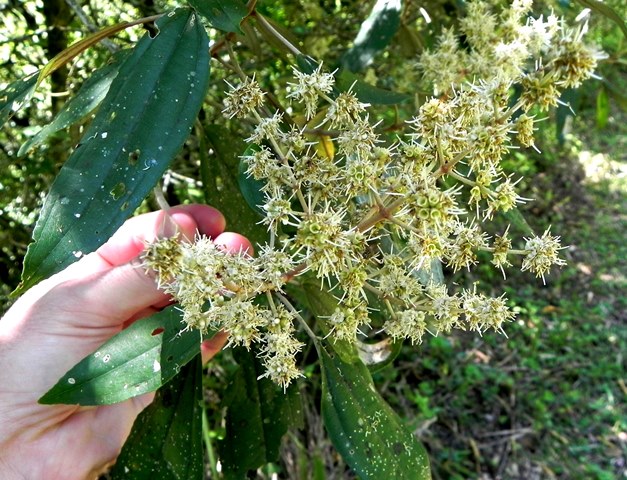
{"x": 157, "y": 331}
{"x": 153, "y": 30}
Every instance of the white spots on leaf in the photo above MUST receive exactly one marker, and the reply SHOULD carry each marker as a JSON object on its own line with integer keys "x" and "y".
{"x": 156, "y": 367}
{"x": 71, "y": 381}
{"x": 104, "y": 135}
{"x": 106, "y": 358}
{"x": 77, "y": 253}
{"x": 149, "y": 164}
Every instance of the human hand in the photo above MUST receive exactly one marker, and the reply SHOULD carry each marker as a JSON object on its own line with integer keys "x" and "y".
{"x": 66, "y": 317}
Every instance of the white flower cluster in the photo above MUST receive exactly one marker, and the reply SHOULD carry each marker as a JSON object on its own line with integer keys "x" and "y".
{"x": 544, "y": 56}
{"x": 371, "y": 219}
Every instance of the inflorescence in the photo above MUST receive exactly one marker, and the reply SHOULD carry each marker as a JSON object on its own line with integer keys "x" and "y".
{"x": 373, "y": 219}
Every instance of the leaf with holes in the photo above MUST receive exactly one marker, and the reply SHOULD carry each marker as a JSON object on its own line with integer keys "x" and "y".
{"x": 139, "y": 128}
{"x": 137, "y": 360}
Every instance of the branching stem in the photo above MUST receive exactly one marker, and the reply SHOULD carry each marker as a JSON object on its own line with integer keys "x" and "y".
{"x": 298, "y": 316}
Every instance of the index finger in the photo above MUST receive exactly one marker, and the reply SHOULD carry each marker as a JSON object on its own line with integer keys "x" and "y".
{"x": 130, "y": 240}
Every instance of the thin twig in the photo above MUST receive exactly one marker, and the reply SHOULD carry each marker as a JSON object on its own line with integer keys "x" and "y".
{"x": 273, "y": 31}
{"x": 298, "y": 316}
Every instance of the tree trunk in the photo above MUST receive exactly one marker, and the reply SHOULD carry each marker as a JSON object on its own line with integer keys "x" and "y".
{"x": 58, "y": 16}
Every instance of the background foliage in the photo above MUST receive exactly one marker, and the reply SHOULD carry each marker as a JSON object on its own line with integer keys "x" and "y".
{"x": 546, "y": 403}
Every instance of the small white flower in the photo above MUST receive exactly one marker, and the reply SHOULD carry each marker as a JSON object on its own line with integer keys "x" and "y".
{"x": 309, "y": 87}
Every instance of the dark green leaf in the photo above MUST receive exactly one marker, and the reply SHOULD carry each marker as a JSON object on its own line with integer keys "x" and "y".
{"x": 368, "y": 434}
{"x": 603, "y": 108}
{"x": 76, "y": 108}
{"x": 166, "y": 440}
{"x": 374, "y": 35}
{"x": 139, "y": 128}
{"x": 569, "y": 99}
{"x": 137, "y": 360}
{"x": 518, "y": 220}
{"x": 220, "y": 175}
{"x": 307, "y": 64}
{"x": 322, "y": 304}
{"x": 363, "y": 428}
{"x": 225, "y": 15}
{"x": 410, "y": 40}
{"x": 15, "y": 95}
{"x": 251, "y": 188}
{"x": 258, "y": 415}
{"x": 367, "y": 93}
{"x": 606, "y": 11}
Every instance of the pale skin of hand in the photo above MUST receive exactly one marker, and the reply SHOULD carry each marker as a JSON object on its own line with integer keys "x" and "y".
{"x": 68, "y": 316}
